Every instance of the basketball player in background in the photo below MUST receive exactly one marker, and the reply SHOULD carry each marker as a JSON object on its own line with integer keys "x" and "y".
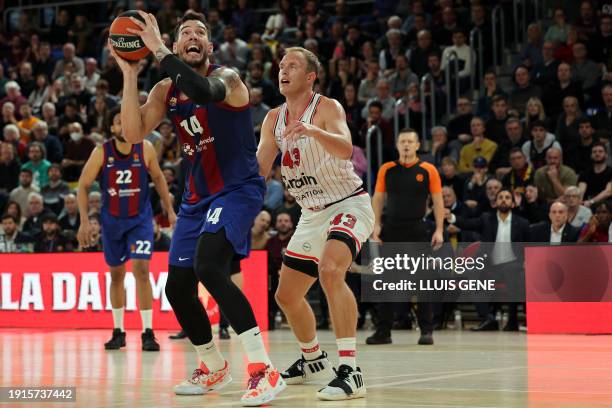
{"x": 311, "y": 133}
{"x": 127, "y": 221}
{"x": 224, "y": 192}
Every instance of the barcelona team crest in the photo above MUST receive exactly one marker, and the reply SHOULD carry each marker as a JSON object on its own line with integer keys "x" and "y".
{"x": 111, "y": 160}
{"x": 172, "y": 101}
{"x": 136, "y": 157}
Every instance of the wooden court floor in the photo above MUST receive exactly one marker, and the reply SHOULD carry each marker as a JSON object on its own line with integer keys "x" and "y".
{"x": 462, "y": 369}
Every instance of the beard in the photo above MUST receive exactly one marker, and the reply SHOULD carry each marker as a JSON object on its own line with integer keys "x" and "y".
{"x": 120, "y": 138}
{"x": 199, "y": 63}
{"x": 504, "y": 209}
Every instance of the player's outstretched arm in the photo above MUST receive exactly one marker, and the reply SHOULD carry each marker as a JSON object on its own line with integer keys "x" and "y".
{"x": 159, "y": 181}
{"x": 335, "y": 137}
{"x": 267, "y": 149}
{"x": 88, "y": 176}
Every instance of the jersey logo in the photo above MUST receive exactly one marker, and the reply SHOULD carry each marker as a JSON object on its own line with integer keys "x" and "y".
{"x": 419, "y": 178}
{"x": 292, "y": 159}
{"x": 136, "y": 157}
{"x": 189, "y": 151}
{"x": 112, "y": 192}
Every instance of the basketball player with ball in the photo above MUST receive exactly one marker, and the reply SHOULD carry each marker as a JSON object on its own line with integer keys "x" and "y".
{"x": 311, "y": 133}
{"x": 224, "y": 192}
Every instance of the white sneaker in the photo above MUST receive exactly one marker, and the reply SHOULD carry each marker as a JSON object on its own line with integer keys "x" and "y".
{"x": 203, "y": 381}
{"x": 348, "y": 384}
{"x": 265, "y": 383}
{"x": 303, "y": 370}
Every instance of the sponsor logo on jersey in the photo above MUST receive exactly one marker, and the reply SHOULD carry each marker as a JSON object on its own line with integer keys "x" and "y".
{"x": 172, "y": 102}
{"x": 203, "y": 142}
{"x": 188, "y": 150}
{"x": 112, "y": 192}
{"x": 300, "y": 182}
{"x": 419, "y": 178}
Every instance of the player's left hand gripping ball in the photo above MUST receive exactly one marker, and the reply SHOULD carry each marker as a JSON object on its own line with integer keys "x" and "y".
{"x": 149, "y": 31}
{"x": 297, "y": 129}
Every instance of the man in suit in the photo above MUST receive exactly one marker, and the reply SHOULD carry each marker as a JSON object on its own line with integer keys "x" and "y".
{"x": 556, "y": 230}
{"x": 500, "y": 228}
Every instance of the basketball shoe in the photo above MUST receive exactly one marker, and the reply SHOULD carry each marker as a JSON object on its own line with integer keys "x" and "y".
{"x": 303, "y": 370}
{"x": 117, "y": 341}
{"x": 265, "y": 383}
{"x": 203, "y": 381}
{"x": 348, "y": 384}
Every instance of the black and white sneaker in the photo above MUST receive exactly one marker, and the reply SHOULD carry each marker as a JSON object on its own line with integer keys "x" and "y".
{"x": 303, "y": 370}
{"x": 348, "y": 384}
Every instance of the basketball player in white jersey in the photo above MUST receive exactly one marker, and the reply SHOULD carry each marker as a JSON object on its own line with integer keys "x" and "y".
{"x": 311, "y": 133}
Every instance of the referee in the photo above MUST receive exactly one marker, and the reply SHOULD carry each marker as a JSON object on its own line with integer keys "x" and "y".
{"x": 402, "y": 189}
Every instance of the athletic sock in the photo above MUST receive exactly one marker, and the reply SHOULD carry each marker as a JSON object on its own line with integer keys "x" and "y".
{"x": 147, "y": 319}
{"x": 346, "y": 351}
{"x": 209, "y": 354}
{"x": 311, "y": 349}
{"x": 118, "y": 318}
{"x": 254, "y": 347}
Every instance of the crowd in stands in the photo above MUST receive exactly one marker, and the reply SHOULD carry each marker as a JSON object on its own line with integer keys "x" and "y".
{"x": 544, "y": 131}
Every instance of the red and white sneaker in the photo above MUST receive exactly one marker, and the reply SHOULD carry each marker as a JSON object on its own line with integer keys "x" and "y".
{"x": 265, "y": 383}
{"x": 203, "y": 381}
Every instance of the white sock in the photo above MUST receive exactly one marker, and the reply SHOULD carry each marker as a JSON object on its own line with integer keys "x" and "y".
{"x": 209, "y": 355}
{"x": 254, "y": 347}
{"x": 311, "y": 350}
{"x": 147, "y": 319}
{"x": 118, "y": 318}
{"x": 346, "y": 351}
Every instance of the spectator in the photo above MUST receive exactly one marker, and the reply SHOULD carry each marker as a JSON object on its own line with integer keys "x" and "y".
{"x": 603, "y": 118}
{"x": 552, "y": 179}
{"x": 20, "y": 194}
{"x": 36, "y": 213}
{"x": 567, "y": 124}
{"x": 39, "y": 95}
{"x": 492, "y": 89}
{"x": 383, "y": 96}
{"x": 257, "y": 80}
{"x": 466, "y": 56}
{"x": 274, "y": 190}
{"x": 579, "y": 154}
{"x": 521, "y": 172}
{"x": 556, "y": 230}
{"x": 161, "y": 240}
{"x": 56, "y": 189}
{"x": 368, "y": 85}
{"x": 95, "y": 243}
{"x": 289, "y": 206}
{"x": 78, "y": 149}
{"x": 276, "y": 247}
{"x": 453, "y": 206}
{"x": 69, "y": 217}
{"x": 8, "y": 115}
{"x": 600, "y": 47}
{"x": 557, "y": 33}
{"x": 53, "y": 147}
{"x": 9, "y": 168}
{"x": 584, "y": 70}
{"x": 259, "y": 109}
{"x": 401, "y": 76}
{"x": 11, "y": 136}
{"x": 480, "y": 146}
{"x": 96, "y": 121}
{"x": 441, "y": 148}
{"x": 595, "y": 184}
{"x": 243, "y": 19}
{"x": 38, "y": 164}
{"x": 545, "y": 72}
{"x": 443, "y": 34}
{"x": 459, "y": 126}
{"x": 578, "y": 214}
{"x": 69, "y": 55}
{"x": 598, "y": 227}
{"x": 352, "y": 106}
{"x": 534, "y": 112}
{"x": 43, "y": 62}
{"x": 375, "y": 117}
{"x": 94, "y": 202}
{"x": 26, "y": 79}
{"x": 168, "y": 16}
{"x": 563, "y": 87}
{"x": 531, "y": 55}
{"x": 259, "y": 233}
{"x": 536, "y": 149}
{"x": 450, "y": 177}
{"x": 71, "y": 115}
{"x": 171, "y": 154}
{"x": 12, "y": 240}
{"x": 13, "y": 95}
{"x": 586, "y": 23}
{"x": 474, "y": 190}
{"x": 418, "y": 55}
{"x": 514, "y": 139}
{"x": 234, "y": 51}
{"x": 389, "y": 53}
{"x": 27, "y": 122}
{"x": 496, "y": 125}
{"x": 523, "y": 89}
{"x": 530, "y": 206}
{"x": 92, "y": 75}
{"x": 51, "y": 239}
{"x": 48, "y": 115}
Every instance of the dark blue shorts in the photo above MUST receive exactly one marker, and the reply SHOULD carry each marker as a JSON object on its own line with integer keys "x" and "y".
{"x": 234, "y": 210}
{"x": 127, "y": 238}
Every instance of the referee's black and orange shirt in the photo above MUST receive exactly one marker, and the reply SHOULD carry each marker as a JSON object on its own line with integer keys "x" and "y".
{"x": 407, "y": 188}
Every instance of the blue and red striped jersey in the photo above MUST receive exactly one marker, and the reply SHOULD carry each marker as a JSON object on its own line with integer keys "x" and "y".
{"x": 124, "y": 181}
{"x": 217, "y": 142}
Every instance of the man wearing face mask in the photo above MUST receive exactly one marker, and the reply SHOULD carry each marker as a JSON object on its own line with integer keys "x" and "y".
{"x": 78, "y": 149}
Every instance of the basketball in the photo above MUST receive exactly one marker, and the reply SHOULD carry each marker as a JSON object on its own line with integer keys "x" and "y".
{"x": 127, "y": 45}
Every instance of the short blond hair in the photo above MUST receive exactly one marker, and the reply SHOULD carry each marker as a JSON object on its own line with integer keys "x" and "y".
{"x": 312, "y": 61}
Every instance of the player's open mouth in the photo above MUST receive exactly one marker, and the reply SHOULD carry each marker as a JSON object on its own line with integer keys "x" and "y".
{"x": 193, "y": 50}
{"x": 284, "y": 81}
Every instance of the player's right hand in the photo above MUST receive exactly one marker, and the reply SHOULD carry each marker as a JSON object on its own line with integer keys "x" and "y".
{"x": 84, "y": 235}
{"x": 172, "y": 218}
{"x": 127, "y": 67}
{"x": 376, "y": 233}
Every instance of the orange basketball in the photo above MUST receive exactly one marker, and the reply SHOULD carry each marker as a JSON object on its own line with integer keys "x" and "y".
{"x": 127, "y": 45}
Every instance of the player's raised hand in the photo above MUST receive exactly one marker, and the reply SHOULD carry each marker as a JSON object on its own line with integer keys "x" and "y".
{"x": 126, "y": 66}
{"x": 149, "y": 31}
{"x": 84, "y": 235}
{"x": 296, "y": 129}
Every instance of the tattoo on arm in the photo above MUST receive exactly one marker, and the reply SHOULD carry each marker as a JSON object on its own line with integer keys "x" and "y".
{"x": 162, "y": 52}
{"x": 230, "y": 78}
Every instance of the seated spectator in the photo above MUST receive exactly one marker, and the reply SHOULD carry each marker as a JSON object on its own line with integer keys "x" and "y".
{"x": 487, "y": 204}
{"x": 401, "y": 77}
{"x": 92, "y": 75}
{"x": 257, "y": 80}
{"x": 375, "y": 118}
{"x": 500, "y": 163}
{"x": 161, "y": 240}
{"x": 579, "y": 154}
{"x": 259, "y": 233}
{"x": 8, "y": 115}
{"x": 531, "y": 54}
{"x": 38, "y": 164}
{"x": 600, "y": 47}
{"x": 367, "y": 86}
{"x": 584, "y": 70}
{"x": 49, "y": 116}
{"x": 529, "y": 205}
{"x": 94, "y": 202}
{"x": 536, "y": 150}
{"x": 95, "y": 243}
{"x": 71, "y": 115}
{"x": 13, "y": 95}
{"x": 289, "y": 206}
{"x": 36, "y": 211}
{"x": 491, "y": 89}
{"x": 383, "y": 96}
{"x": 523, "y": 89}
{"x": 171, "y": 154}
{"x": 53, "y": 147}
{"x": 557, "y": 229}
{"x": 259, "y": 109}
{"x": 55, "y": 190}
{"x": 474, "y": 190}
{"x": 450, "y": 177}
{"x": 233, "y": 51}
{"x": 69, "y": 51}
{"x": 96, "y": 120}
{"x": 555, "y": 93}
{"x": 466, "y": 56}
{"x": 459, "y": 126}
{"x": 496, "y": 125}
{"x": 21, "y": 193}
{"x": 567, "y": 124}
{"x": 598, "y": 227}
{"x": 558, "y": 31}
{"x": 11, "y": 136}
{"x": 552, "y": 179}
{"x": 52, "y": 239}
{"x": 69, "y": 216}
{"x": 9, "y": 168}
{"x": 521, "y": 173}
{"x": 78, "y": 150}
{"x": 443, "y": 33}
{"x": 480, "y": 146}
{"x": 12, "y": 240}
{"x": 27, "y": 122}
{"x": 603, "y": 118}
{"x": 276, "y": 247}
{"x": 452, "y": 206}
{"x": 352, "y": 106}
{"x": 595, "y": 184}
{"x": 545, "y": 73}
{"x": 578, "y": 214}
{"x": 389, "y": 53}
{"x": 274, "y": 190}
{"x": 419, "y": 55}
{"x": 440, "y": 147}
{"x": 534, "y": 112}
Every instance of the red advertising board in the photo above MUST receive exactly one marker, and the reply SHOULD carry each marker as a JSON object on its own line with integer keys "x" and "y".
{"x": 70, "y": 291}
